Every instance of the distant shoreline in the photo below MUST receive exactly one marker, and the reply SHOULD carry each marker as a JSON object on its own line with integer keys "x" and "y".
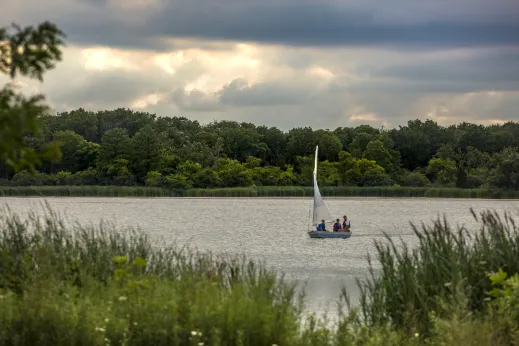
{"x": 250, "y": 192}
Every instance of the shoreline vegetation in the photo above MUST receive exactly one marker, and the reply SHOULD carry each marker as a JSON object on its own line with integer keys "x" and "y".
{"x": 250, "y": 192}
{"x": 75, "y": 285}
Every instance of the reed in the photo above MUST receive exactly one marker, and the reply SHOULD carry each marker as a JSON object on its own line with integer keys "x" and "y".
{"x": 79, "y": 279}
{"x": 260, "y": 191}
{"x": 411, "y": 284}
{"x": 65, "y": 284}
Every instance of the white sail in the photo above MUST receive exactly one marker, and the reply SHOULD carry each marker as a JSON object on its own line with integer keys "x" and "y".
{"x": 320, "y": 210}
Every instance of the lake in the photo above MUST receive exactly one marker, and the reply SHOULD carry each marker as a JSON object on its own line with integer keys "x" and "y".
{"x": 272, "y": 229}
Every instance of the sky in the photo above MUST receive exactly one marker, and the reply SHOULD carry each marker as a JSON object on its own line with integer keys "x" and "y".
{"x": 285, "y": 63}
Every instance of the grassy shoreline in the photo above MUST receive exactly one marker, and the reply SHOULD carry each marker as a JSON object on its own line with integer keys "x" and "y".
{"x": 248, "y": 192}
{"x": 75, "y": 285}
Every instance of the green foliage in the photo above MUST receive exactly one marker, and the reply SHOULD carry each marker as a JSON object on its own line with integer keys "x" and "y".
{"x": 88, "y": 285}
{"x": 145, "y": 152}
{"x": 154, "y": 178}
{"x": 70, "y": 143}
{"x": 27, "y": 52}
{"x": 364, "y": 172}
{"x": 376, "y": 151}
{"x": 505, "y": 175}
{"x": 206, "y": 178}
{"x": 442, "y": 171}
{"x": 505, "y": 306}
{"x": 18, "y": 116}
{"x": 176, "y": 181}
{"x": 414, "y": 179}
{"x": 30, "y": 51}
{"x": 446, "y": 266}
{"x": 115, "y": 145}
{"x": 71, "y": 285}
{"x": 86, "y": 155}
{"x": 210, "y": 157}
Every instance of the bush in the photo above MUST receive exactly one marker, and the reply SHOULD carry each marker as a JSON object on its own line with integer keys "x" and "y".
{"x": 376, "y": 177}
{"x": 414, "y": 179}
{"x": 206, "y": 178}
{"x": 154, "y": 178}
{"x": 176, "y": 181}
{"x": 87, "y": 177}
{"x": 65, "y": 178}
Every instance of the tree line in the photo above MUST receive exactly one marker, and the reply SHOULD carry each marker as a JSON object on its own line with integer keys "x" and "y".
{"x": 126, "y": 147}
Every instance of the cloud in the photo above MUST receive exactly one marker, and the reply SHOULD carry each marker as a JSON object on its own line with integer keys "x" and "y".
{"x": 149, "y": 23}
{"x": 287, "y": 64}
{"x": 195, "y": 101}
{"x": 313, "y": 87}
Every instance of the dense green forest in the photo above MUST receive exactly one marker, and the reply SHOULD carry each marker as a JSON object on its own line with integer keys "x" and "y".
{"x": 126, "y": 148}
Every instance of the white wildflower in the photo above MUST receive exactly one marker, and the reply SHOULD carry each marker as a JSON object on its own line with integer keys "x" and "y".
{"x": 200, "y": 344}
{"x": 99, "y": 329}
{"x": 107, "y": 320}
{"x": 193, "y": 332}
{"x": 416, "y": 335}
{"x": 122, "y": 298}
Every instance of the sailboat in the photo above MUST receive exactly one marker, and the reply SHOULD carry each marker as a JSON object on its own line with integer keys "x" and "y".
{"x": 320, "y": 212}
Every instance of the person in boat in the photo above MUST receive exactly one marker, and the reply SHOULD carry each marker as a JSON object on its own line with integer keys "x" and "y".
{"x": 321, "y": 227}
{"x": 337, "y": 226}
{"x": 346, "y": 225}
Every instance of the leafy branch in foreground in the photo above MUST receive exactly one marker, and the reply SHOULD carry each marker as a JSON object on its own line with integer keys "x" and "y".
{"x": 28, "y": 52}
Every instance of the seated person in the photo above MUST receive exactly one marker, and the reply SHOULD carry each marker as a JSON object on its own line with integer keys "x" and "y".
{"x": 337, "y": 226}
{"x": 346, "y": 225}
{"x": 321, "y": 226}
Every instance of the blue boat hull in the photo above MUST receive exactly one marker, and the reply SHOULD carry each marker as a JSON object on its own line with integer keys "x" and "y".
{"x": 335, "y": 235}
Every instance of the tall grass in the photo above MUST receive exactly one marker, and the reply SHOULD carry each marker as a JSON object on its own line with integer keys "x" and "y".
{"x": 73, "y": 285}
{"x": 260, "y": 191}
{"x": 412, "y": 284}
{"x": 82, "y": 278}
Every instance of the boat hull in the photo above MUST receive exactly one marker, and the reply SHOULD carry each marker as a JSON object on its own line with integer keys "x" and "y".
{"x": 334, "y": 235}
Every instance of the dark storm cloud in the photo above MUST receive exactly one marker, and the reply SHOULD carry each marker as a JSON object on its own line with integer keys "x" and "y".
{"x": 325, "y": 23}
{"x": 491, "y": 68}
{"x": 439, "y": 23}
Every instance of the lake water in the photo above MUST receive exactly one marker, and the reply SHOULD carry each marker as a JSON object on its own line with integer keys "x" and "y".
{"x": 273, "y": 230}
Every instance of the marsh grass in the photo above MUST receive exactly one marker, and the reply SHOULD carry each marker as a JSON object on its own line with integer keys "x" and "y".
{"x": 73, "y": 278}
{"x": 260, "y": 191}
{"x": 66, "y": 284}
{"x": 411, "y": 283}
